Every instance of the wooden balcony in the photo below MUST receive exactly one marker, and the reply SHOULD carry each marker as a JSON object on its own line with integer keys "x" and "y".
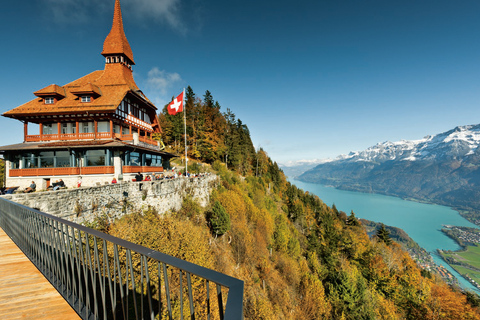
{"x": 87, "y": 136}
{"x": 67, "y": 171}
{"x": 143, "y": 169}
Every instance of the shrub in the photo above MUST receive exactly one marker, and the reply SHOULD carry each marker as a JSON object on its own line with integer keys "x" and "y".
{"x": 219, "y": 219}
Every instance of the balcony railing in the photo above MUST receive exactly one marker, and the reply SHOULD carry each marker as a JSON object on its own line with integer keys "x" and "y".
{"x": 104, "y": 277}
{"x": 87, "y": 136}
{"x": 142, "y": 169}
{"x": 69, "y": 171}
{"x": 62, "y": 171}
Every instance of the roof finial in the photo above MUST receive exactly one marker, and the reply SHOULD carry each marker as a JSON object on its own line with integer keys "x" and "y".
{"x": 116, "y": 42}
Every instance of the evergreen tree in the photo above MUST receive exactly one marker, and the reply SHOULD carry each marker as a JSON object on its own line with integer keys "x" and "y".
{"x": 384, "y": 235}
{"x": 211, "y": 135}
{"x": 352, "y": 220}
{"x": 219, "y": 219}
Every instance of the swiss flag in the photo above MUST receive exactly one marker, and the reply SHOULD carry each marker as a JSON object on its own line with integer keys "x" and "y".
{"x": 176, "y": 105}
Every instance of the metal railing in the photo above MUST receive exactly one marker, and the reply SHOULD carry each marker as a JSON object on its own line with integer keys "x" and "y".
{"x": 104, "y": 277}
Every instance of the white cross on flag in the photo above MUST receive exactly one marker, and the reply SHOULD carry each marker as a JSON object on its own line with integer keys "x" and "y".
{"x": 176, "y": 105}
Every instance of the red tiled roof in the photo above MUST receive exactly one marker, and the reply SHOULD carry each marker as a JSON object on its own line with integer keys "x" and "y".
{"x": 113, "y": 84}
{"x": 108, "y": 87}
{"x": 51, "y": 90}
{"x": 116, "y": 41}
{"x": 87, "y": 89}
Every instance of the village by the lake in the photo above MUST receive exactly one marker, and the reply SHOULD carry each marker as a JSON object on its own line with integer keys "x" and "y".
{"x": 467, "y": 260}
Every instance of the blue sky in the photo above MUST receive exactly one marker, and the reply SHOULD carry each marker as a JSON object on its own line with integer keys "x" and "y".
{"x": 311, "y": 79}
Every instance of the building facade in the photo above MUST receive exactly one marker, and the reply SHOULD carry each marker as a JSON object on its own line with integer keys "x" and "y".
{"x": 92, "y": 130}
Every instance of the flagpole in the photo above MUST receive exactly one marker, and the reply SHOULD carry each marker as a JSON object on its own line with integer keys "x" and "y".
{"x": 185, "y": 126}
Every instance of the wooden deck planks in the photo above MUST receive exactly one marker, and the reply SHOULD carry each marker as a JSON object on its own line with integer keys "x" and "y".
{"x": 24, "y": 291}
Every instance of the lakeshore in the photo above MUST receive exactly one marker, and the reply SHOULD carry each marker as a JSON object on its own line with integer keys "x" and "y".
{"x": 422, "y": 222}
{"x": 466, "y": 261}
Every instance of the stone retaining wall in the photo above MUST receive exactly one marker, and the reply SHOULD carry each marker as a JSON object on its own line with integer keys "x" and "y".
{"x": 85, "y": 203}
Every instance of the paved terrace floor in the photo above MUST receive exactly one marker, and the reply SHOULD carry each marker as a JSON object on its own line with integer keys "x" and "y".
{"x": 24, "y": 291}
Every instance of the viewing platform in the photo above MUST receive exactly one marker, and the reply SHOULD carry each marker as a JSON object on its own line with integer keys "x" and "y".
{"x": 25, "y": 293}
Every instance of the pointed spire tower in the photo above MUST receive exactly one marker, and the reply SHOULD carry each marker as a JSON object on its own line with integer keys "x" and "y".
{"x": 116, "y": 48}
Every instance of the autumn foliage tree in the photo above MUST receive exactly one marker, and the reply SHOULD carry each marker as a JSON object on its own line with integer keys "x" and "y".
{"x": 211, "y": 134}
{"x": 298, "y": 257}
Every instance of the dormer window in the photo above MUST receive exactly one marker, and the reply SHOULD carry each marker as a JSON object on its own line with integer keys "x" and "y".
{"x": 86, "y": 99}
{"x": 49, "y": 100}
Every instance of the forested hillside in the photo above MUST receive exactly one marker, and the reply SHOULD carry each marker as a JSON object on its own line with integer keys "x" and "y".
{"x": 211, "y": 134}
{"x": 299, "y": 258}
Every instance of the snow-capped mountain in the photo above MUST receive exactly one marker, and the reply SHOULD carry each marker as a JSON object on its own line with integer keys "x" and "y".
{"x": 457, "y": 143}
{"x": 442, "y": 168}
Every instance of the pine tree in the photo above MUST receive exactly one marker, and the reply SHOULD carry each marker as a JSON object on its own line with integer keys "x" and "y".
{"x": 219, "y": 219}
{"x": 384, "y": 235}
{"x": 352, "y": 220}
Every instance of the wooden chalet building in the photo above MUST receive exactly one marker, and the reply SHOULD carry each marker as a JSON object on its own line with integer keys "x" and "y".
{"x": 95, "y": 128}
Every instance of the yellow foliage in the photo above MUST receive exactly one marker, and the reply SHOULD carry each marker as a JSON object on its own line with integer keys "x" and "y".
{"x": 314, "y": 303}
{"x": 178, "y": 238}
{"x": 444, "y": 303}
{"x": 234, "y": 205}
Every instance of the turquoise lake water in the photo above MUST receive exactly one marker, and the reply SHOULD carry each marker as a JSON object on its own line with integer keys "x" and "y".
{"x": 421, "y": 221}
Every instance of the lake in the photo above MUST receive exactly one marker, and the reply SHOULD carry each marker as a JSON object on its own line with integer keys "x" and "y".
{"x": 421, "y": 221}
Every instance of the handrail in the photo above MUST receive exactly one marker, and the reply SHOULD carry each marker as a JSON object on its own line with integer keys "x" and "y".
{"x": 104, "y": 277}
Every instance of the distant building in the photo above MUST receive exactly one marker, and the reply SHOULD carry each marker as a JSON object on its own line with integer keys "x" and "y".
{"x": 94, "y": 128}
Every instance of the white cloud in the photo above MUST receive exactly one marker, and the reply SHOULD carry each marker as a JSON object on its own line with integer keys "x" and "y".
{"x": 160, "y": 81}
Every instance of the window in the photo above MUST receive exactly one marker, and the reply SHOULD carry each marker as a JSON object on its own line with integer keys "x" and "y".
{"x": 95, "y": 158}
{"x": 49, "y": 100}
{"x": 62, "y": 159}
{"x": 30, "y": 160}
{"x": 15, "y": 162}
{"x": 64, "y": 128}
{"x": 103, "y": 126}
{"x": 87, "y": 127}
{"x": 135, "y": 159}
{"x": 153, "y": 160}
{"x": 46, "y": 159}
{"x": 86, "y": 99}
{"x": 50, "y": 128}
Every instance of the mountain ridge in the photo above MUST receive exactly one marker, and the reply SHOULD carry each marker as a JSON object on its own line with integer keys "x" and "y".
{"x": 442, "y": 168}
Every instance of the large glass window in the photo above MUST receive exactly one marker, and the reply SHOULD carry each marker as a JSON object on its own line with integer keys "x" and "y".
{"x": 30, "y": 160}
{"x": 95, "y": 158}
{"x": 153, "y": 160}
{"x": 15, "y": 161}
{"x": 62, "y": 159}
{"x": 46, "y": 159}
{"x": 87, "y": 127}
{"x": 103, "y": 126}
{"x": 135, "y": 159}
{"x": 50, "y": 128}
